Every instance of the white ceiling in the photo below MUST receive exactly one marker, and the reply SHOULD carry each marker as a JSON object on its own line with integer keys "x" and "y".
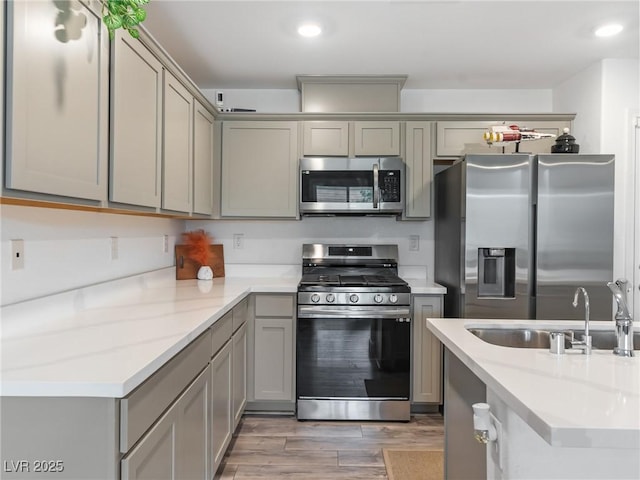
{"x": 439, "y": 44}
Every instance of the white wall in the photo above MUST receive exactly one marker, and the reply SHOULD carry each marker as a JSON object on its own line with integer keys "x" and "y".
{"x": 583, "y": 93}
{"x": 412, "y": 101}
{"x": 263, "y": 101}
{"x": 68, "y": 249}
{"x": 280, "y": 242}
{"x": 477, "y": 101}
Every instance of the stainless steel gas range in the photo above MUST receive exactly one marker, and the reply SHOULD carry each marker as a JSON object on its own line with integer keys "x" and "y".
{"x": 353, "y": 350}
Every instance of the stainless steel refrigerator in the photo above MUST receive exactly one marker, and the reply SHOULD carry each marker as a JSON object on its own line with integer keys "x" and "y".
{"x": 516, "y": 234}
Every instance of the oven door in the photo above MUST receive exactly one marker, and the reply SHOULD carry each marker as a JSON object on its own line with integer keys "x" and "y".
{"x": 353, "y": 365}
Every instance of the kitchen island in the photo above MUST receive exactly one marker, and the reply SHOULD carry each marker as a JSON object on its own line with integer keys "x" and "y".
{"x": 561, "y": 416}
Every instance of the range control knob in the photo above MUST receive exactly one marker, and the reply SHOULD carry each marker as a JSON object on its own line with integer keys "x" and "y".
{"x": 378, "y": 298}
{"x": 331, "y": 298}
{"x": 393, "y": 298}
{"x": 353, "y": 298}
{"x": 315, "y": 298}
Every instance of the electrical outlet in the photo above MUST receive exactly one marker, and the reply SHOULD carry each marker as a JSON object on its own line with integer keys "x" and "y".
{"x": 238, "y": 241}
{"x": 17, "y": 254}
{"x": 165, "y": 243}
{"x": 114, "y": 248}
{"x": 414, "y": 243}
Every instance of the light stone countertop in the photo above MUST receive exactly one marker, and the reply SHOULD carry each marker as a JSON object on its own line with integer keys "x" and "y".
{"x": 570, "y": 400}
{"x": 106, "y": 339}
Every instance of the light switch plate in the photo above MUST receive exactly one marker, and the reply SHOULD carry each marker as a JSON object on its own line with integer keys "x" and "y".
{"x": 414, "y": 243}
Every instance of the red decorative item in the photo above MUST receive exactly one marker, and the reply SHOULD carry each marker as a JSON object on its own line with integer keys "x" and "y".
{"x": 198, "y": 243}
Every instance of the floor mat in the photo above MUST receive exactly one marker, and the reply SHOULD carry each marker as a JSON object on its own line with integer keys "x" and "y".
{"x": 414, "y": 464}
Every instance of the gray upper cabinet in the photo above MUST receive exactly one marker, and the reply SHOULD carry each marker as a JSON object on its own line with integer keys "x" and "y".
{"x": 419, "y": 170}
{"x": 177, "y": 159}
{"x": 259, "y": 169}
{"x": 351, "y": 138}
{"x": 455, "y": 138}
{"x": 57, "y": 100}
{"x": 203, "y": 151}
{"x": 325, "y": 138}
{"x": 136, "y": 123}
{"x": 377, "y": 138}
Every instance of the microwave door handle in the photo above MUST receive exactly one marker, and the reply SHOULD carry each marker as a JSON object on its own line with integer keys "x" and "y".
{"x": 376, "y": 191}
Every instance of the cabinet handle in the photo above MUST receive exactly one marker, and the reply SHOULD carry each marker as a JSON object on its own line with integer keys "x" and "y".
{"x": 376, "y": 191}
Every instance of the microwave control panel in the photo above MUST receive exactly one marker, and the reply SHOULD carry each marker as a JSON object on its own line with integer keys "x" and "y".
{"x": 389, "y": 183}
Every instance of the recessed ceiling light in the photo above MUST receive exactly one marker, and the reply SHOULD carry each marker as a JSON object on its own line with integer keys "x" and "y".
{"x": 609, "y": 30}
{"x": 309, "y": 30}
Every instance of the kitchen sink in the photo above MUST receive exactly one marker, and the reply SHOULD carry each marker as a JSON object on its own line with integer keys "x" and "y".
{"x": 534, "y": 338}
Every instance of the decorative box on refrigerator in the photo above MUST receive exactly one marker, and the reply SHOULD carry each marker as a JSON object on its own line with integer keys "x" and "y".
{"x": 517, "y": 234}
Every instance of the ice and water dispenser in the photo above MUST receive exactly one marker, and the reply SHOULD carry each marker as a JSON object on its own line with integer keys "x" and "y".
{"x": 496, "y": 272}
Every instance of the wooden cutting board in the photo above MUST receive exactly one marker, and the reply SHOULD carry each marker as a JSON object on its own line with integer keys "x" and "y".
{"x": 186, "y": 269}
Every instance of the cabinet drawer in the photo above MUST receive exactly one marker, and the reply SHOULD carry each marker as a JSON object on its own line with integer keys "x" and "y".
{"x": 274, "y": 305}
{"x": 240, "y": 314}
{"x": 221, "y": 332}
{"x": 144, "y": 405}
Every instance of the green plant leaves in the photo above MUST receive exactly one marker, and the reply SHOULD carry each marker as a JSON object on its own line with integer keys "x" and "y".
{"x": 125, "y": 14}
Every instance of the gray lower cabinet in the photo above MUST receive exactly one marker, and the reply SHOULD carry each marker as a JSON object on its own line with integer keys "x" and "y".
{"x": 271, "y": 369}
{"x": 427, "y": 356}
{"x": 239, "y": 373}
{"x": 57, "y": 99}
{"x": 221, "y": 422}
{"x": 259, "y": 169}
{"x": 176, "y": 425}
{"x": 177, "y": 446}
{"x": 228, "y": 379}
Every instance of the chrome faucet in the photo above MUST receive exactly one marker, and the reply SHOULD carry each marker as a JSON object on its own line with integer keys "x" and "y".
{"x": 585, "y": 344}
{"x": 624, "y": 323}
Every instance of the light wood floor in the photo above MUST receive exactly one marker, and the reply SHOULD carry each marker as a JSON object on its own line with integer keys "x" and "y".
{"x": 280, "y": 447}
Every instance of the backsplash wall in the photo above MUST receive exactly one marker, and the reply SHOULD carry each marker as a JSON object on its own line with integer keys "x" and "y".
{"x": 67, "y": 249}
{"x": 280, "y": 241}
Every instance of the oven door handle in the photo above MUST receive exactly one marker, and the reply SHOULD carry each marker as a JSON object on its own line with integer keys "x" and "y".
{"x": 350, "y": 312}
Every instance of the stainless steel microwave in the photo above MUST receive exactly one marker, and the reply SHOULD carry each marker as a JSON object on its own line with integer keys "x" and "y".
{"x": 358, "y": 186}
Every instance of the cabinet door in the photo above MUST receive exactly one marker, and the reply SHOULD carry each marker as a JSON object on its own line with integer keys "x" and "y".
{"x": 154, "y": 457}
{"x": 377, "y": 138}
{"x": 221, "y": 421}
{"x": 239, "y": 371}
{"x": 459, "y": 138}
{"x": 177, "y": 160}
{"x": 136, "y": 123}
{"x": 57, "y": 100}
{"x": 194, "y": 407}
{"x": 203, "y": 145}
{"x": 427, "y": 351}
{"x": 273, "y": 368}
{"x": 419, "y": 170}
{"x": 259, "y": 169}
{"x": 325, "y": 138}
